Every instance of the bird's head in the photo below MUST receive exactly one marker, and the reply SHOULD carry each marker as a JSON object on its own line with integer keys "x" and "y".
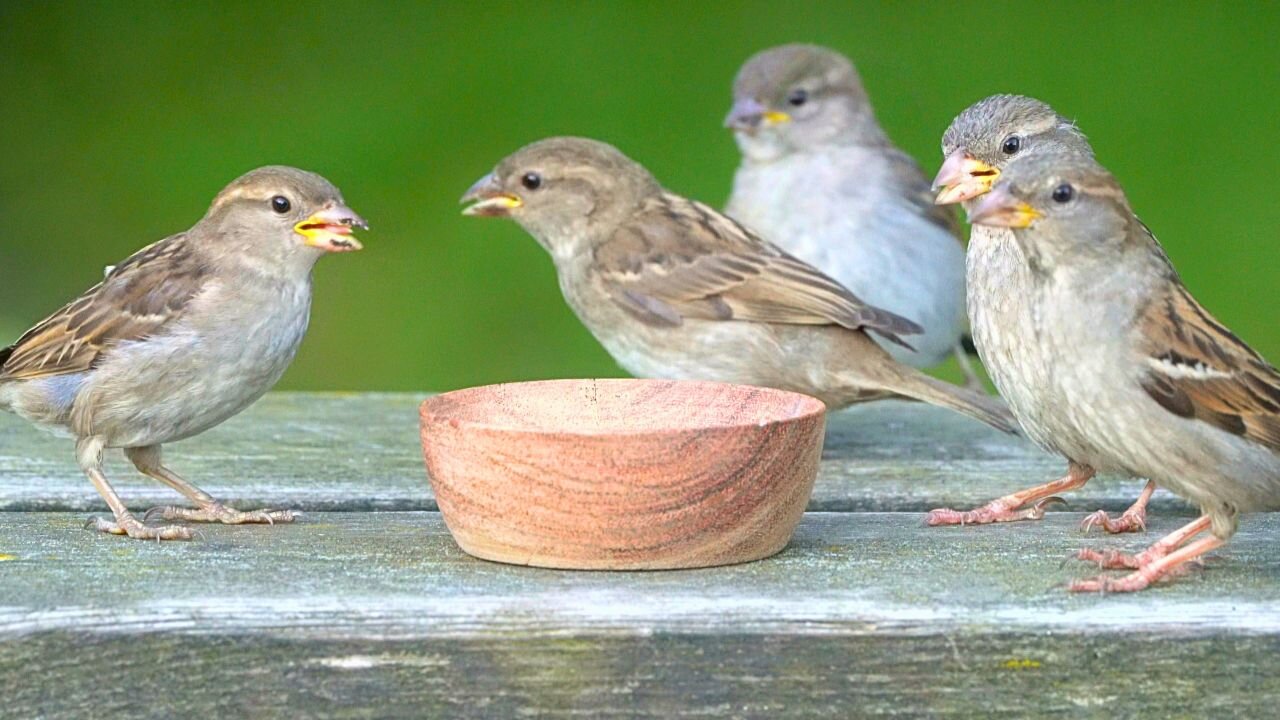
{"x": 795, "y": 98}
{"x": 993, "y": 132}
{"x": 280, "y": 214}
{"x": 556, "y": 187}
{"x": 1064, "y": 207}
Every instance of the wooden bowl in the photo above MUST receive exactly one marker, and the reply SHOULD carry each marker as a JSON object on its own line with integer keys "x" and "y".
{"x": 622, "y": 474}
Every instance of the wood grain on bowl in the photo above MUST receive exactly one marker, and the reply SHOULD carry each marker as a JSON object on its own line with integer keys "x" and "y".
{"x": 622, "y": 474}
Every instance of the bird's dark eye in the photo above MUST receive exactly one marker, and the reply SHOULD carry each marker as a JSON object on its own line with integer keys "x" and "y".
{"x": 531, "y": 181}
{"x": 1011, "y": 145}
{"x": 280, "y": 204}
{"x": 1063, "y": 193}
{"x": 797, "y": 97}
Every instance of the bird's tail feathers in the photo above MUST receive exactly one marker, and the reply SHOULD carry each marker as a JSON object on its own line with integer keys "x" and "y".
{"x": 911, "y": 383}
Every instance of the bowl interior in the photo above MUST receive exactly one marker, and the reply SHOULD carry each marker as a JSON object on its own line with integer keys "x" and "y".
{"x": 620, "y": 406}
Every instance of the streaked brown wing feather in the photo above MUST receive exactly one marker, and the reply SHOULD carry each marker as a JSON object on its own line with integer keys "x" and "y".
{"x": 681, "y": 259}
{"x": 1201, "y": 370}
{"x": 140, "y": 296}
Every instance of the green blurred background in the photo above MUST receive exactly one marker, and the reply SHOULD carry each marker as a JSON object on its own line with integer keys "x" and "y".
{"x": 122, "y": 120}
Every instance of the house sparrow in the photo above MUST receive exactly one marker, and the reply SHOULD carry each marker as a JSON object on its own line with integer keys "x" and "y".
{"x": 980, "y": 143}
{"x": 1119, "y": 368}
{"x": 181, "y": 336}
{"x": 820, "y": 178}
{"x": 674, "y": 289}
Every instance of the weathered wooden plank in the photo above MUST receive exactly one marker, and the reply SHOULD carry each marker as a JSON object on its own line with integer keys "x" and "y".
{"x": 380, "y": 615}
{"x": 643, "y": 675}
{"x": 360, "y": 452}
{"x": 337, "y": 574}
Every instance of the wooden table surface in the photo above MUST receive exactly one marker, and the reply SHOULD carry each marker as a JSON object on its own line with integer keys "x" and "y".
{"x": 366, "y": 608}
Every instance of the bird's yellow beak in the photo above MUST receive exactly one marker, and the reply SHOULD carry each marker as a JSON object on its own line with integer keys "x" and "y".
{"x": 963, "y": 177}
{"x": 1001, "y": 209}
{"x": 331, "y": 229}
{"x": 748, "y": 115}
{"x": 775, "y": 117}
{"x": 489, "y": 200}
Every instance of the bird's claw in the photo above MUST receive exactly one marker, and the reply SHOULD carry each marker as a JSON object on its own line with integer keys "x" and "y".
{"x": 219, "y": 513}
{"x": 1104, "y": 585}
{"x": 1037, "y": 511}
{"x": 128, "y": 525}
{"x": 1110, "y": 559}
{"x": 993, "y": 512}
{"x": 1139, "y": 579}
{"x": 1130, "y": 521}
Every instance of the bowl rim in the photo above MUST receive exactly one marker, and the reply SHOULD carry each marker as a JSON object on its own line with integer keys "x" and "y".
{"x": 810, "y": 407}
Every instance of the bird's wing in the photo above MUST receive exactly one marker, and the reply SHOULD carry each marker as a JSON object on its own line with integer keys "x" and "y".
{"x": 915, "y": 188}
{"x": 1199, "y": 369}
{"x": 680, "y": 259}
{"x": 135, "y": 300}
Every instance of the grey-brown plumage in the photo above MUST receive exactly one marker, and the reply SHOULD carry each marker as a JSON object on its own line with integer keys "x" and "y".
{"x": 674, "y": 289}
{"x": 1121, "y": 370}
{"x": 820, "y": 179}
{"x": 182, "y": 335}
{"x": 980, "y": 143}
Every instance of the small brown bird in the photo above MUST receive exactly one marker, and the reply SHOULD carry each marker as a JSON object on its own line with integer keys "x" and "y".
{"x": 674, "y": 289}
{"x": 822, "y": 180}
{"x": 182, "y": 335}
{"x": 978, "y": 145}
{"x": 1120, "y": 370}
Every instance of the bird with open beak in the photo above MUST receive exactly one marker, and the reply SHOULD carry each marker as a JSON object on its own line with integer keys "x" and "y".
{"x": 181, "y": 336}
{"x": 1122, "y": 370}
{"x": 675, "y": 290}
{"x": 993, "y": 132}
{"x": 980, "y": 143}
{"x": 820, "y": 178}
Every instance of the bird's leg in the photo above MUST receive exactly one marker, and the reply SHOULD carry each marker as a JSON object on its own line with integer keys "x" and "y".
{"x": 1010, "y": 507}
{"x": 89, "y": 454}
{"x": 1115, "y": 560}
{"x": 147, "y": 460}
{"x": 1133, "y": 520}
{"x": 1163, "y": 565}
{"x": 971, "y": 379}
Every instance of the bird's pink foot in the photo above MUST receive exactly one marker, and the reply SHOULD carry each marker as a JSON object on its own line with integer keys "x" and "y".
{"x": 1133, "y": 520}
{"x": 993, "y": 512}
{"x": 1116, "y": 560}
{"x": 128, "y": 525}
{"x": 1102, "y": 584}
{"x": 1133, "y": 582}
{"x": 219, "y": 513}
{"x": 1159, "y": 561}
{"x": 1029, "y": 504}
